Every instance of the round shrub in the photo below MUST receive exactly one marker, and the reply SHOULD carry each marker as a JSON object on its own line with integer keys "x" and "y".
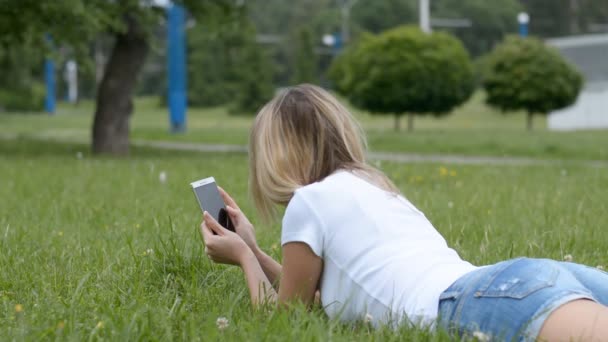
{"x": 405, "y": 70}
{"x": 525, "y": 74}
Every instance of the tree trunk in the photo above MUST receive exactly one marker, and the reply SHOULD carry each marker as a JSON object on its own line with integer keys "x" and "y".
{"x": 397, "y": 125}
{"x": 529, "y": 121}
{"x": 115, "y": 94}
{"x": 410, "y": 122}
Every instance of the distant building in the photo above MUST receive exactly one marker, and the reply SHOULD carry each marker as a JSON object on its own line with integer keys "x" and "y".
{"x": 590, "y": 54}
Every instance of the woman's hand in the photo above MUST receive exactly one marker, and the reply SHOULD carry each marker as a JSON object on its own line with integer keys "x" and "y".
{"x": 242, "y": 226}
{"x": 225, "y": 247}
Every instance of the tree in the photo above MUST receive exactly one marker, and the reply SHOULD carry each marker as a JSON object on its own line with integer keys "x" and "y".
{"x": 305, "y": 60}
{"x": 20, "y": 79}
{"x": 214, "y": 60}
{"x": 380, "y": 15}
{"x": 525, "y": 74}
{"x": 491, "y": 21}
{"x": 405, "y": 71}
{"x": 254, "y": 85}
{"x": 76, "y": 22}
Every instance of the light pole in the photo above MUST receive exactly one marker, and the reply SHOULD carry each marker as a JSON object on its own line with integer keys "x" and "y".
{"x": 345, "y": 11}
{"x": 523, "y": 19}
{"x": 424, "y": 7}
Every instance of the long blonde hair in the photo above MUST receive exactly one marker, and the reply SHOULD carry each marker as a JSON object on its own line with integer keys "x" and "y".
{"x": 300, "y": 137}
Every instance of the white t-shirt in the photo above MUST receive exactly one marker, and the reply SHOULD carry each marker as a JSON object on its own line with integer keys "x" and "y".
{"x": 381, "y": 256}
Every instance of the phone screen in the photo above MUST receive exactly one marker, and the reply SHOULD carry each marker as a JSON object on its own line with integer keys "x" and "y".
{"x": 210, "y": 200}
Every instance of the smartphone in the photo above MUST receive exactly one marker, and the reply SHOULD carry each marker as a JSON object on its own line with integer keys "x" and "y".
{"x": 210, "y": 200}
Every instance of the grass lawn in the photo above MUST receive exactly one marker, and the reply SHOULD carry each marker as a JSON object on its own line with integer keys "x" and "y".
{"x": 473, "y": 129}
{"x": 99, "y": 248}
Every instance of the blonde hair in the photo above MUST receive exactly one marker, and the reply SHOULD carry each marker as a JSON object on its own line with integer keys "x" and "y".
{"x": 300, "y": 137}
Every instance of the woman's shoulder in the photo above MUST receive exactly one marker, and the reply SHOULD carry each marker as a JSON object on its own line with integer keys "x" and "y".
{"x": 316, "y": 196}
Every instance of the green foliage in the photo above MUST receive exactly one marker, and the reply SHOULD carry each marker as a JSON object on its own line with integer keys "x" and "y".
{"x": 525, "y": 74}
{"x": 20, "y": 78}
{"x": 29, "y": 99}
{"x": 254, "y": 85}
{"x": 214, "y": 59}
{"x": 405, "y": 70}
{"x": 306, "y": 59}
{"x": 491, "y": 21}
{"x": 380, "y": 15}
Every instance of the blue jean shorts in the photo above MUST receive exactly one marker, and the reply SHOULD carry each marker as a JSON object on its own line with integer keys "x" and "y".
{"x": 510, "y": 300}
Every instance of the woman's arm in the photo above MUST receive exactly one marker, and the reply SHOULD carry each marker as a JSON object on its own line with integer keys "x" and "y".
{"x": 245, "y": 230}
{"x": 271, "y": 268}
{"x": 301, "y": 273}
{"x": 301, "y": 269}
{"x": 260, "y": 288}
{"x": 227, "y": 247}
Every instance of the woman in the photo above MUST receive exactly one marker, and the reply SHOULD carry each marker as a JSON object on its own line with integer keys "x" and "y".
{"x": 349, "y": 233}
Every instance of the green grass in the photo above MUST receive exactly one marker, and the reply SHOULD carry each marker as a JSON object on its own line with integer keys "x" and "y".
{"x": 99, "y": 249}
{"x": 473, "y": 129}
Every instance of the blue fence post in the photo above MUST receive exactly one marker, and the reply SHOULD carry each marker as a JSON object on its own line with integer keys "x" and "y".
{"x": 523, "y": 19}
{"x": 176, "y": 67}
{"x": 49, "y": 80}
{"x": 338, "y": 42}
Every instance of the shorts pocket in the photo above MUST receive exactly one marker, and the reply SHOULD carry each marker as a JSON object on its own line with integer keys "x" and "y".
{"x": 519, "y": 279}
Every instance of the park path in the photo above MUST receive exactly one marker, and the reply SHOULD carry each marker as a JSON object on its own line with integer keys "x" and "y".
{"x": 398, "y": 157}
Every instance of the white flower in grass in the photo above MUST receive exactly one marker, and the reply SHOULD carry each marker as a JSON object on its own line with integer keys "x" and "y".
{"x": 222, "y": 323}
{"x": 479, "y": 336}
{"x": 600, "y": 267}
{"x": 368, "y": 318}
{"x": 568, "y": 257}
{"x": 162, "y": 176}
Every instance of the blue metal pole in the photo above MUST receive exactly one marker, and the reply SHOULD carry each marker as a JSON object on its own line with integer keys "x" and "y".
{"x": 176, "y": 65}
{"x": 49, "y": 78}
{"x": 523, "y": 30}
{"x": 338, "y": 42}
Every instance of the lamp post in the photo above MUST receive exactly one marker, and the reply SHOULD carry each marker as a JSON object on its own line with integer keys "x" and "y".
{"x": 523, "y": 19}
{"x": 425, "y": 15}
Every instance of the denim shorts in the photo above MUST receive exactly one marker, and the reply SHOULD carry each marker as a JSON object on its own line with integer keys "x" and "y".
{"x": 510, "y": 300}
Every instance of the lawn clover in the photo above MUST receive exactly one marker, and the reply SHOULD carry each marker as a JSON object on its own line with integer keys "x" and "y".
{"x": 222, "y": 323}
{"x": 568, "y": 257}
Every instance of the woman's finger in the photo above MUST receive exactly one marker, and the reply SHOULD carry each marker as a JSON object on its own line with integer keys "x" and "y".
{"x": 206, "y": 232}
{"x": 227, "y": 199}
{"x": 212, "y": 224}
{"x": 234, "y": 213}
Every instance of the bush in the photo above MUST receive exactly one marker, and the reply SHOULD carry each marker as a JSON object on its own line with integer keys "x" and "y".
{"x": 405, "y": 71}
{"x": 23, "y": 100}
{"x": 525, "y": 74}
{"x": 305, "y": 70}
{"x": 254, "y": 86}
